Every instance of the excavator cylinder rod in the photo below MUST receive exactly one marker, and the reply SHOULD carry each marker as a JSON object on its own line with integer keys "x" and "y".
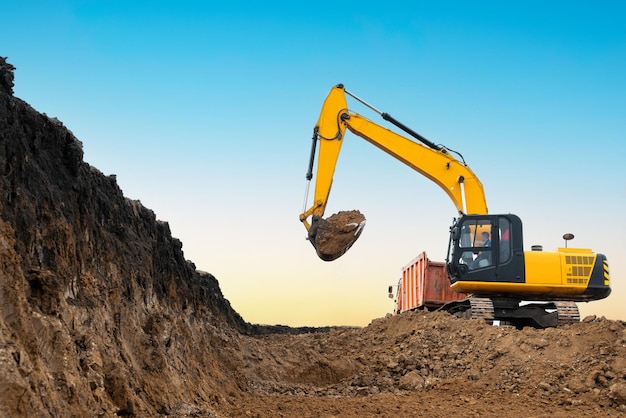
{"x": 410, "y": 131}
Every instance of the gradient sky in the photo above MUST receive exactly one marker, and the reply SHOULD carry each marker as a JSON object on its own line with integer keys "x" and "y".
{"x": 204, "y": 111}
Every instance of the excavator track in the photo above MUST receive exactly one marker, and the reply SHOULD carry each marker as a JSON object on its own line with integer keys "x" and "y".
{"x": 511, "y": 312}
{"x": 481, "y": 308}
{"x": 567, "y": 313}
{"x": 471, "y": 308}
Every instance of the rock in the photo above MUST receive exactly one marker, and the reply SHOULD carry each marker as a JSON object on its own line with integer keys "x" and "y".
{"x": 617, "y": 392}
{"x": 544, "y": 386}
{"x": 589, "y": 318}
{"x": 413, "y": 380}
{"x": 6, "y": 76}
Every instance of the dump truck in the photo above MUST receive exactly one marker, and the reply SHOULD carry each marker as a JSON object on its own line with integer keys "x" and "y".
{"x": 424, "y": 284}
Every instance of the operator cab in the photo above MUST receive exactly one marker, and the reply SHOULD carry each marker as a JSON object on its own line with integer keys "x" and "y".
{"x": 486, "y": 248}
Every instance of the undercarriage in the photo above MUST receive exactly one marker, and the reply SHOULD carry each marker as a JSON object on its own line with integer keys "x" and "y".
{"x": 515, "y": 312}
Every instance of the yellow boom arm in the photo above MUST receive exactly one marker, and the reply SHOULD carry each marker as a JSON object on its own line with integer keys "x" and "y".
{"x": 434, "y": 162}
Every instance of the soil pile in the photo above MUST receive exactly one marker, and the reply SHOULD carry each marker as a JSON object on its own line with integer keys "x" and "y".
{"x": 432, "y": 364}
{"x": 101, "y": 315}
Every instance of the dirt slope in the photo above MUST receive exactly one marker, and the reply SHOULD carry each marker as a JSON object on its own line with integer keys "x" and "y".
{"x": 101, "y": 315}
{"x": 441, "y": 365}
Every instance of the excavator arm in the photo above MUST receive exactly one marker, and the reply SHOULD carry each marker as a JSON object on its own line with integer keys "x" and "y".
{"x": 433, "y": 161}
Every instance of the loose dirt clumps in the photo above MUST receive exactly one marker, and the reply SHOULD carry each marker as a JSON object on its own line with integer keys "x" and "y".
{"x": 434, "y": 364}
{"x": 333, "y": 236}
{"x": 102, "y": 316}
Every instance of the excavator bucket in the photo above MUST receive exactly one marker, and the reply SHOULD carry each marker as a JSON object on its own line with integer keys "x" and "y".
{"x": 333, "y": 236}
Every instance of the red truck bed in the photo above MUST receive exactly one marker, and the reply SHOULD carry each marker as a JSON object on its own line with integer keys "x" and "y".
{"x": 424, "y": 284}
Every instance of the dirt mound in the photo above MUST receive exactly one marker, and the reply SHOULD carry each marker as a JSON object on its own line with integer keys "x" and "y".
{"x": 442, "y": 365}
{"x": 101, "y": 315}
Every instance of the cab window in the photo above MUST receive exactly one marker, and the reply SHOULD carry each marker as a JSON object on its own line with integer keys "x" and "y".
{"x": 475, "y": 242}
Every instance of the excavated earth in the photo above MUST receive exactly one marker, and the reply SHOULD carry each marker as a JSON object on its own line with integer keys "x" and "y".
{"x": 333, "y": 236}
{"x": 102, "y": 316}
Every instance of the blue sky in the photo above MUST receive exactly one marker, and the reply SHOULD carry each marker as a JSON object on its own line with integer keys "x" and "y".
{"x": 205, "y": 111}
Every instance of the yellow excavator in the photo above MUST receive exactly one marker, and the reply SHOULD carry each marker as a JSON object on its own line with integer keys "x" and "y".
{"x": 486, "y": 257}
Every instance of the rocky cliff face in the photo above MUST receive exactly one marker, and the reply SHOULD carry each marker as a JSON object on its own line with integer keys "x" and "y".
{"x": 100, "y": 311}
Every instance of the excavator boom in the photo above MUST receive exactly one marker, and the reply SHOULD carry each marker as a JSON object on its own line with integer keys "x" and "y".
{"x": 435, "y": 162}
{"x": 432, "y": 161}
{"x": 455, "y": 178}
